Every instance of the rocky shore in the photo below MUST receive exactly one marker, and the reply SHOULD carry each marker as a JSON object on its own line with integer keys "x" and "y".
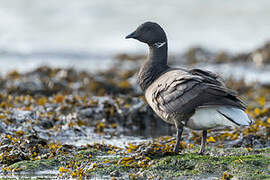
{"x": 44, "y": 112}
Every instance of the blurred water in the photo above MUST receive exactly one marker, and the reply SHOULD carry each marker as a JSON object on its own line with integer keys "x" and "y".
{"x": 68, "y": 30}
{"x": 100, "y": 25}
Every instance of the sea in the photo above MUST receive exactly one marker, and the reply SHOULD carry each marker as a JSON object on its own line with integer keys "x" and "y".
{"x": 87, "y": 34}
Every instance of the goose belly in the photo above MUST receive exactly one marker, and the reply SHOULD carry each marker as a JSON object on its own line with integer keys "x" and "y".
{"x": 214, "y": 117}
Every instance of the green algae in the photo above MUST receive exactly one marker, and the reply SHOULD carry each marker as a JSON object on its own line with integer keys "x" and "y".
{"x": 148, "y": 159}
{"x": 249, "y": 166}
{"x": 192, "y": 164}
{"x": 237, "y": 162}
{"x": 33, "y": 166}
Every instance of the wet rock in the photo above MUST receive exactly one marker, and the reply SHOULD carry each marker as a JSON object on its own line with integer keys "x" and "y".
{"x": 261, "y": 56}
{"x": 250, "y": 141}
{"x": 223, "y": 57}
{"x": 29, "y": 84}
{"x": 88, "y": 112}
{"x": 5, "y": 142}
{"x": 124, "y": 57}
{"x": 46, "y": 124}
{"x": 2, "y": 127}
{"x": 21, "y": 116}
{"x": 198, "y": 54}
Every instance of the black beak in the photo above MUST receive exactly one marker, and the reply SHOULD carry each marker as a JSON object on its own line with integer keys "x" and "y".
{"x": 132, "y": 35}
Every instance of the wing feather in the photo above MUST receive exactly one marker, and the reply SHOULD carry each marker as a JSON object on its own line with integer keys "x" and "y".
{"x": 184, "y": 91}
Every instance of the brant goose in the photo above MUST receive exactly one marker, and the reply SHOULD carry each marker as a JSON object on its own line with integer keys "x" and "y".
{"x": 194, "y": 98}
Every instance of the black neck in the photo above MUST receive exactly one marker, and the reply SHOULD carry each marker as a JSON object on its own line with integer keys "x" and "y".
{"x": 155, "y": 65}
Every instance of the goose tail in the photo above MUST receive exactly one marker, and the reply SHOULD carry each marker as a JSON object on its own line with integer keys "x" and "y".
{"x": 236, "y": 116}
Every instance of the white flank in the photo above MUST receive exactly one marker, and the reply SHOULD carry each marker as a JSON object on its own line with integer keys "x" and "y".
{"x": 213, "y": 117}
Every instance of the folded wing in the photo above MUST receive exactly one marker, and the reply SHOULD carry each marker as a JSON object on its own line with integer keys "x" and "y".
{"x": 182, "y": 91}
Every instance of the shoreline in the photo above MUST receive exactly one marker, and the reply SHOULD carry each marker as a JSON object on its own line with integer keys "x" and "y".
{"x": 39, "y": 107}
{"x": 44, "y": 111}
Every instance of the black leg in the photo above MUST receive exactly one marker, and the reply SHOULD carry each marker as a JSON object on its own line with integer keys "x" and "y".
{"x": 179, "y": 132}
{"x": 204, "y": 135}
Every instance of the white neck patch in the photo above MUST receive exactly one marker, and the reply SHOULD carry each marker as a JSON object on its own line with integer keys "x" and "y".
{"x": 159, "y": 44}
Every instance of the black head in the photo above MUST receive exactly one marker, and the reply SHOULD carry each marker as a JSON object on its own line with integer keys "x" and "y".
{"x": 150, "y": 33}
